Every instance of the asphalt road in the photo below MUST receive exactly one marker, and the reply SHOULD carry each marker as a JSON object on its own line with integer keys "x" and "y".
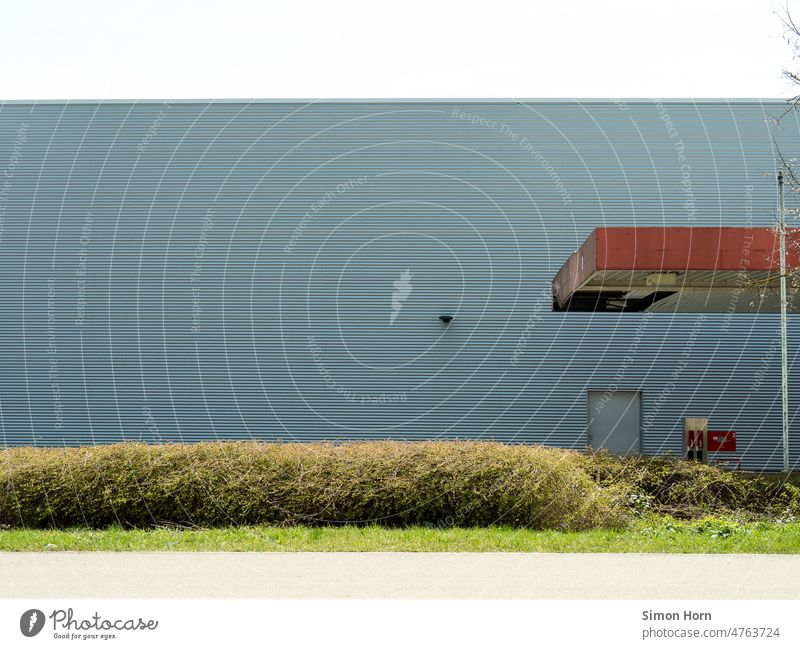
{"x": 398, "y": 575}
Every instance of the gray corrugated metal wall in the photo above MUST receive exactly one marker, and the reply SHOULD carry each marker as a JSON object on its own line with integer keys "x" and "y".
{"x": 219, "y": 304}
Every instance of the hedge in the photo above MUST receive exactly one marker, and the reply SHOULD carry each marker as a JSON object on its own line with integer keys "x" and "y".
{"x": 438, "y": 484}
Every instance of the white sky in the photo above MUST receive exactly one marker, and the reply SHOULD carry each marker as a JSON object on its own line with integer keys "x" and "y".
{"x": 344, "y": 48}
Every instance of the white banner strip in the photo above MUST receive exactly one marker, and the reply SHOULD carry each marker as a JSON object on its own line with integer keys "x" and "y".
{"x": 403, "y": 624}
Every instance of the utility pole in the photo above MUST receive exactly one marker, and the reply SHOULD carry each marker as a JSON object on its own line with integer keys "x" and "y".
{"x": 784, "y": 342}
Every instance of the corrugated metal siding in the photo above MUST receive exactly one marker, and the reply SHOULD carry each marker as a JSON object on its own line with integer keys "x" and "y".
{"x": 480, "y": 220}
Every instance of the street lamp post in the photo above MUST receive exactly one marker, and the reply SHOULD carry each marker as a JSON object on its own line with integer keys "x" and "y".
{"x": 784, "y": 342}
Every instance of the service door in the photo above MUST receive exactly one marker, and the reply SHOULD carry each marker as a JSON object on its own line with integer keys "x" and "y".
{"x": 615, "y": 421}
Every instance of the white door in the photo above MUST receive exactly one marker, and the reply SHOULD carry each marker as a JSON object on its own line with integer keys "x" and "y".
{"x": 615, "y": 421}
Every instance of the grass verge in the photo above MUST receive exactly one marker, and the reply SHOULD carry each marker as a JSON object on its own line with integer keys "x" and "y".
{"x": 652, "y": 534}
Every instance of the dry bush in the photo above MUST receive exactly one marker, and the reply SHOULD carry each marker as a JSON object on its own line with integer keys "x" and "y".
{"x": 438, "y": 484}
{"x": 693, "y": 490}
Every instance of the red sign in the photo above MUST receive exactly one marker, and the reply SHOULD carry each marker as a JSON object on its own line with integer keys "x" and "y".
{"x": 721, "y": 440}
{"x": 694, "y": 439}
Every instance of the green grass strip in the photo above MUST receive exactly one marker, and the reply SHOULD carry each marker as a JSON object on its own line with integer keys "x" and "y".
{"x": 654, "y": 535}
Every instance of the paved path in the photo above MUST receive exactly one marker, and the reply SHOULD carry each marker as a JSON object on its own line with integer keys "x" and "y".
{"x": 398, "y": 575}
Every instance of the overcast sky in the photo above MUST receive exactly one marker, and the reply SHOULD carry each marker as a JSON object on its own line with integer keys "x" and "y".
{"x": 292, "y": 49}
